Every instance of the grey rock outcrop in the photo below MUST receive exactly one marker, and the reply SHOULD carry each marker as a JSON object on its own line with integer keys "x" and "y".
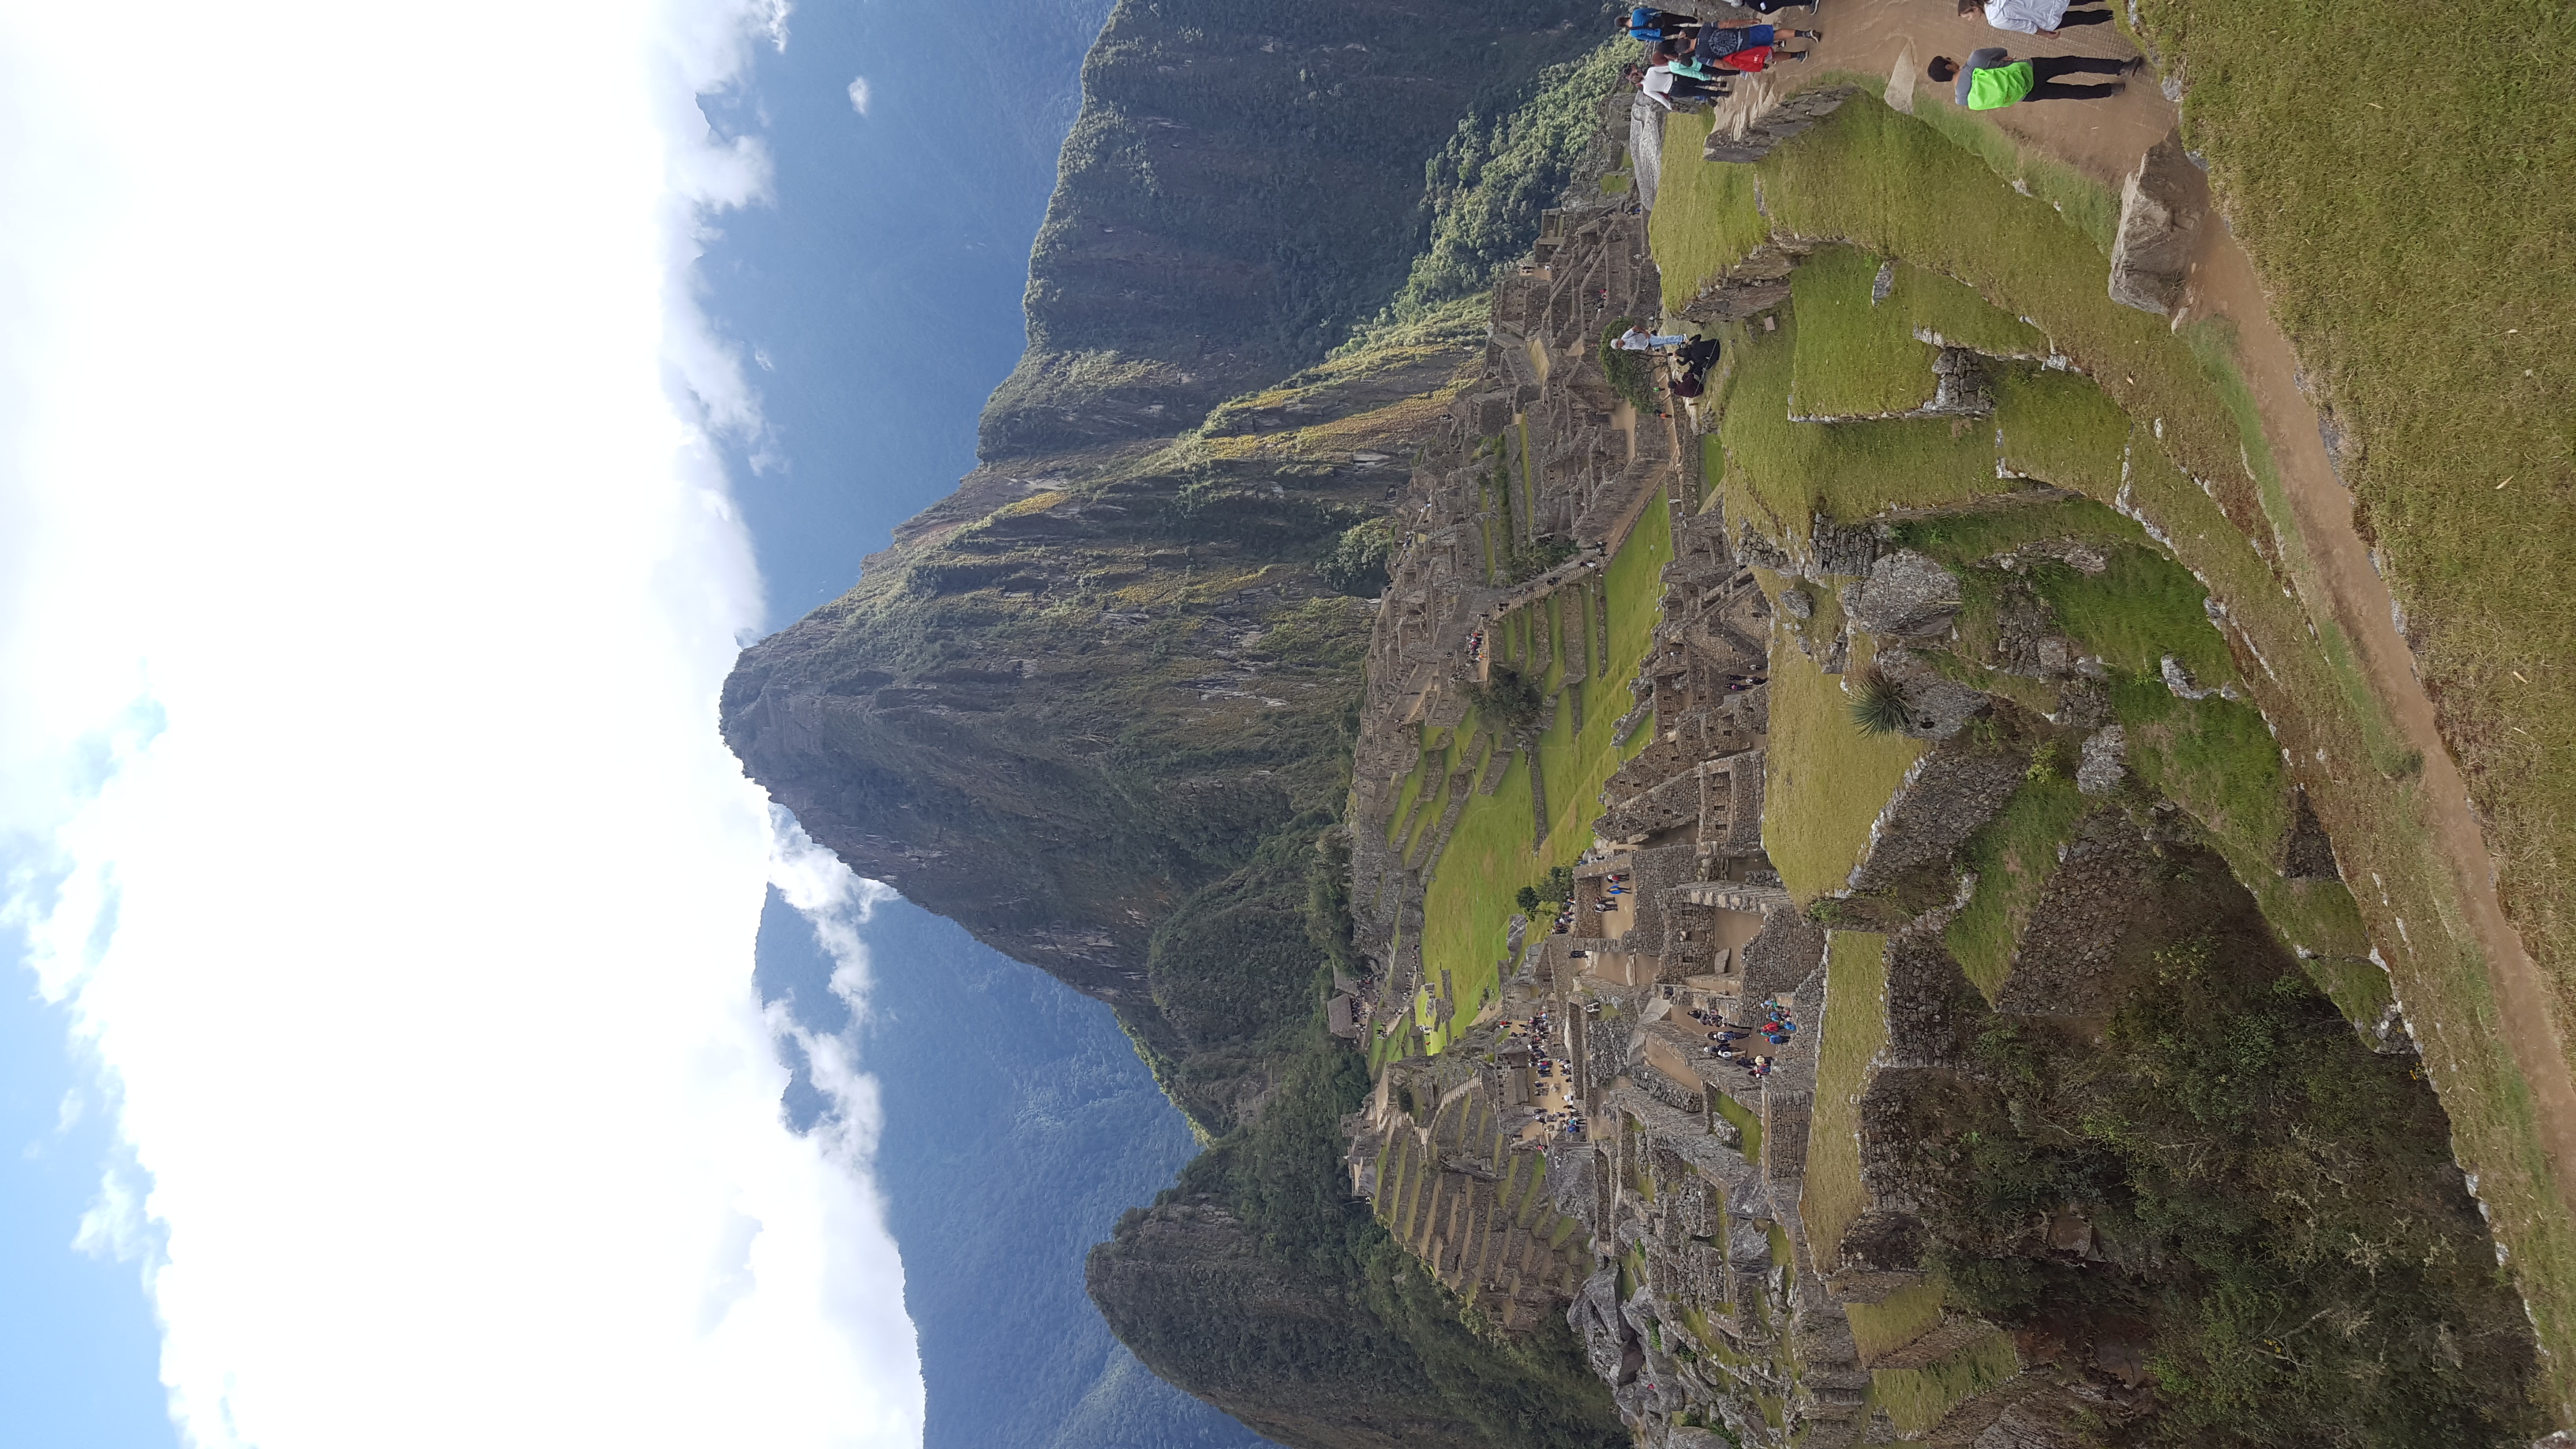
{"x": 1936, "y": 706}
{"x": 2105, "y": 761}
{"x": 1908, "y": 595}
{"x": 2151, "y": 255}
{"x": 1645, "y": 148}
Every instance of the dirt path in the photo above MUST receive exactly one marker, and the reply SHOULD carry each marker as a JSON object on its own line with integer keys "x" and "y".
{"x": 2104, "y": 139}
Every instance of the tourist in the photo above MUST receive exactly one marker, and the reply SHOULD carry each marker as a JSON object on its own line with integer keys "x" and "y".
{"x": 1669, "y": 90}
{"x": 2035, "y": 17}
{"x": 1992, "y": 79}
{"x": 1638, "y": 339}
{"x": 1716, "y": 43}
{"x": 1649, "y": 24}
{"x": 1699, "y": 353}
{"x": 1755, "y": 59}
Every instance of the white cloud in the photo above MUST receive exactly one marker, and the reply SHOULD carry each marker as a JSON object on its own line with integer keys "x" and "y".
{"x": 366, "y": 579}
{"x": 833, "y": 901}
{"x": 860, "y": 94}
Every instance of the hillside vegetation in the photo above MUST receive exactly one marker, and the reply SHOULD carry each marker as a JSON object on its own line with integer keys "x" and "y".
{"x": 1244, "y": 183}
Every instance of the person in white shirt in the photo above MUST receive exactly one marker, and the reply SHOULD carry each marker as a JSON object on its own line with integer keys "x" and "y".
{"x": 1667, "y": 90}
{"x": 1638, "y": 339}
{"x": 2035, "y": 17}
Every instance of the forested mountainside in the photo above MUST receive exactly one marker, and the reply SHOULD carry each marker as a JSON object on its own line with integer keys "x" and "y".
{"x": 1245, "y": 181}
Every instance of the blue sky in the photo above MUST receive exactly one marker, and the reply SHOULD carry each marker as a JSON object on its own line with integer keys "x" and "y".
{"x": 79, "y": 1352}
{"x": 227, "y": 1002}
{"x": 362, "y": 430}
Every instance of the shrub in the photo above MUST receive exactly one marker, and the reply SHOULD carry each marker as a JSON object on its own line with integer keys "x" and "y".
{"x": 1356, "y": 563}
{"x": 2047, "y": 763}
{"x": 1632, "y": 375}
{"x": 1510, "y": 699}
{"x": 1879, "y": 708}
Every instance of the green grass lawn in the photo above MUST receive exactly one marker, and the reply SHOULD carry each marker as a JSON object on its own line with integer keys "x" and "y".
{"x": 1468, "y": 908}
{"x": 1881, "y": 1328}
{"x": 1855, "y": 1028}
{"x": 2420, "y": 258}
{"x": 1854, "y": 356}
{"x": 1824, "y": 781}
{"x": 2140, "y": 608}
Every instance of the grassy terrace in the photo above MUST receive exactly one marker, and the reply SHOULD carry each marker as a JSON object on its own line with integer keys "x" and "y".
{"x": 2013, "y": 857}
{"x": 1915, "y": 1400}
{"x": 1855, "y": 1028}
{"x": 1491, "y": 854}
{"x": 1856, "y": 355}
{"x": 1824, "y": 781}
{"x": 2439, "y": 391}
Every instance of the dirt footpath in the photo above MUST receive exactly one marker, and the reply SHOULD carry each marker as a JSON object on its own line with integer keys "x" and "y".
{"x": 2104, "y": 139}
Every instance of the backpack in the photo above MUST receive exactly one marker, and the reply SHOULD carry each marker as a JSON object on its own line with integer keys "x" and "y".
{"x": 1993, "y": 87}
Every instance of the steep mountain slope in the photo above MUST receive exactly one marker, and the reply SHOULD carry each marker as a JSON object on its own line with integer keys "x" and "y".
{"x": 1091, "y": 706}
{"x": 1094, "y": 706}
{"x": 1245, "y": 181}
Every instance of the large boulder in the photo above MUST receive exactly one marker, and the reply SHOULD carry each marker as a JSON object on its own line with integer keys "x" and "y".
{"x": 1909, "y": 595}
{"x": 1645, "y": 148}
{"x": 2159, "y": 211}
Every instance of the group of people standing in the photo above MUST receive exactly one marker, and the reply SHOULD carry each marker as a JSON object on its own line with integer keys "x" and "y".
{"x": 1690, "y": 60}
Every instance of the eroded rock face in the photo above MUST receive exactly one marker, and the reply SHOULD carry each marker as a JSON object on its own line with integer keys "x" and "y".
{"x": 1908, "y": 595}
{"x": 2151, "y": 256}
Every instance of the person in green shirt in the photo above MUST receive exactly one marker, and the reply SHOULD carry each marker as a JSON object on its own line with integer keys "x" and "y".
{"x": 1992, "y": 79}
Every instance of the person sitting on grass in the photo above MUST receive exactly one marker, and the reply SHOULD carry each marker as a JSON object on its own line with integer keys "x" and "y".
{"x": 1993, "y": 80}
{"x": 1638, "y": 339}
{"x": 2033, "y": 17}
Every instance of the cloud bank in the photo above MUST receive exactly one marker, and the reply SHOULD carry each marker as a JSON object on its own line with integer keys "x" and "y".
{"x": 366, "y": 579}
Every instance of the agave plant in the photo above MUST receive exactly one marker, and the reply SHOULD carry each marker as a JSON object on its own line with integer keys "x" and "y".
{"x": 1879, "y": 706}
